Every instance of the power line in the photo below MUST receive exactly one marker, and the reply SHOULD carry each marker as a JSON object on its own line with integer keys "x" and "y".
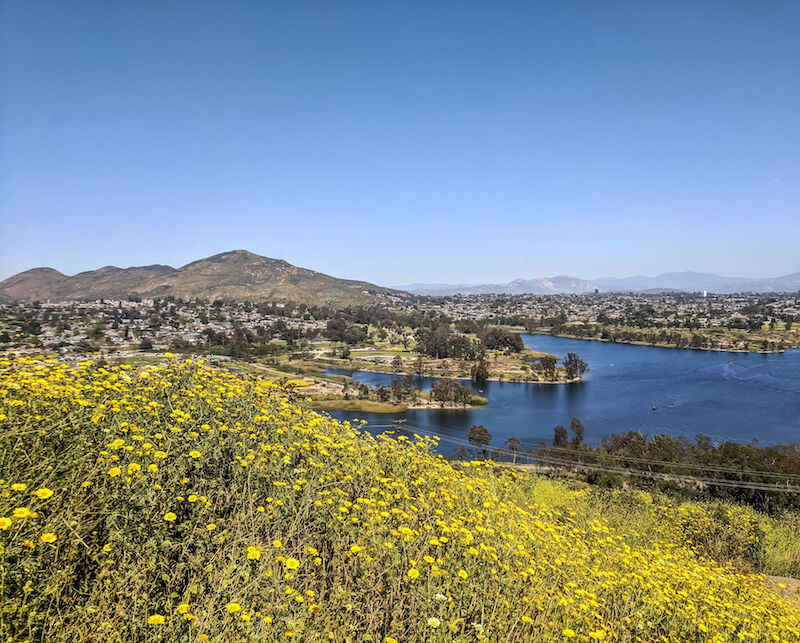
{"x": 665, "y": 463}
{"x": 544, "y": 460}
{"x": 684, "y": 465}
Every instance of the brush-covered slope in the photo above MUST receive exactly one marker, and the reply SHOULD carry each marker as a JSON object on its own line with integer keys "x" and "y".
{"x": 30, "y": 285}
{"x": 243, "y": 275}
{"x": 181, "y": 503}
{"x": 236, "y": 275}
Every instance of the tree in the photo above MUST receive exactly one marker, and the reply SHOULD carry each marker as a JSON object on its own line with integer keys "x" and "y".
{"x": 560, "y": 436}
{"x": 396, "y": 389}
{"x": 576, "y": 426}
{"x": 574, "y": 366}
{"x": 146, "y": 344}
{"x": 515, "y": 446}
{"x": 548, "y": 364}
{"x": 480, "y": 373}
{"x": 478, "y": 436}
{"x": 397, "y": 364}
{"x": 355, "y": 334}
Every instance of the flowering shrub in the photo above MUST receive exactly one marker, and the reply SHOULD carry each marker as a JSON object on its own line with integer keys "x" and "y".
{"x": 189, "y": 504}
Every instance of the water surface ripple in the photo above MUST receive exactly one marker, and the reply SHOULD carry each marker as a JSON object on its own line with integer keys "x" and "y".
{"x": 728, "y": 396}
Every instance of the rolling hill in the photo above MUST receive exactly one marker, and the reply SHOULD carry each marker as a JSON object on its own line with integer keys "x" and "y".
{"x": 237, "y": 274}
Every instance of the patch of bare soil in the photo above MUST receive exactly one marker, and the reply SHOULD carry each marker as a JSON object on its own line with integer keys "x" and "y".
{"x": 786, "y": 587}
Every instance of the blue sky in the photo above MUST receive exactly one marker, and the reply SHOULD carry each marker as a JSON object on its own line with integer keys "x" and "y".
{"x": 403, "y": 142}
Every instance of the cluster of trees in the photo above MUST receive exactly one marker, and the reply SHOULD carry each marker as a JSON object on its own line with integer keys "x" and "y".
{"x": 682, "y": 467}
{"x": 240, "y": 342}
{"x": 574, "y": 367}
{"x": 447, "y": 390}
{"x": 340, "y": 329}
{"x": 716, "y": 338}
{"x": 441, "y": 342}
{"x": 492, "y": 337}
{"x": 399, "y": 392}
{"x": 403, "y": 391}
{"x": 495, "y": 338}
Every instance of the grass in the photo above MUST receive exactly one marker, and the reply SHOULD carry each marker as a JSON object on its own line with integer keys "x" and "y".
{"x": 363, "y": 406}
{"x": 782, "y": 546}
{"x": 183, "y": 503}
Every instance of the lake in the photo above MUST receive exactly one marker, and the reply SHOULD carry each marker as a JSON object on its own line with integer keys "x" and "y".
{"x": 739, "y": 397}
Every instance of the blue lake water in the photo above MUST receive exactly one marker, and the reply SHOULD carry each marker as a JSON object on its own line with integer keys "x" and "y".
{"x": 728, "y": 396}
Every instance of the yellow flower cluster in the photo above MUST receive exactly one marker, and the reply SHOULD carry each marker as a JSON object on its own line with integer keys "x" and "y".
{"x": 264, "y": 521}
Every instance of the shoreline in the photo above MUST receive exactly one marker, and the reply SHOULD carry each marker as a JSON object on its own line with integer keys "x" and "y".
{"x": 495, "y": 378}
{"x": 370, "y": 406}
{"x": 673, "y": 346}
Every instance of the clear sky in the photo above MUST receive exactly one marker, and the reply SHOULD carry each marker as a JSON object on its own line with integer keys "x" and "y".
{"x": 403, "y": 142}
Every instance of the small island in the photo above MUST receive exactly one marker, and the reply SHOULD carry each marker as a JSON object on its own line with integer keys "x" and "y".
{"x": 459, "y": 362}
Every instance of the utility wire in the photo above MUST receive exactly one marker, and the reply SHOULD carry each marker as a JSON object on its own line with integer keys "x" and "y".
{"x": 666, "y": 463}
{"x": 544, "y": 460}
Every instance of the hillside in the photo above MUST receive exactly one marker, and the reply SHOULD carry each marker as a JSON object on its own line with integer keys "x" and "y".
{"x": 230, "y": 275}
{"x": 183, "y": 503}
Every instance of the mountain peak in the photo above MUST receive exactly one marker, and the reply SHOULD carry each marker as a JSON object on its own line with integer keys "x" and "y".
{"x": 234, "y": 274}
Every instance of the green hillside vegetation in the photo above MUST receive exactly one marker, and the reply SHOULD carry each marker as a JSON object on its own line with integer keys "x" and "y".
{"x": 766, "y": 339}
{"x": 184, "y": 503}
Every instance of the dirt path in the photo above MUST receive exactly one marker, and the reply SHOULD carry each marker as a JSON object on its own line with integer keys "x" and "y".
{"x": 786, "y": 587}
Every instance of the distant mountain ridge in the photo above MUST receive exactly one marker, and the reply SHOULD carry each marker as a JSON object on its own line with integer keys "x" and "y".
{"x": 668, "y": 281}
{"x": 541, "y": 286}
{"x": 237, "y": 274}
{"x": 242, "y": 275}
